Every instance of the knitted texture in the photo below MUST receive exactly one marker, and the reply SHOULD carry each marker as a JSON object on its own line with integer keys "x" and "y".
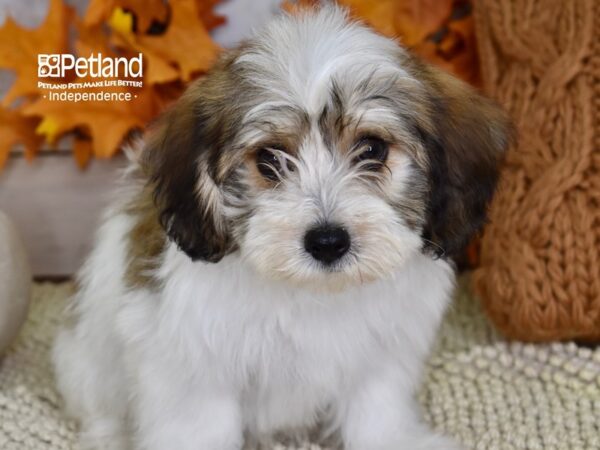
{"x": 540, "y": 255}
{"x": 489, "y": 394}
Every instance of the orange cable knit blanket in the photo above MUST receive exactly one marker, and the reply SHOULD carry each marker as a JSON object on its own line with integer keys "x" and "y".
{"x": 540, "y": 256}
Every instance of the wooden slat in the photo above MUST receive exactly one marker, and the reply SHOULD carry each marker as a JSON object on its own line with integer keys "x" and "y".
{"x": 56, "y": 206}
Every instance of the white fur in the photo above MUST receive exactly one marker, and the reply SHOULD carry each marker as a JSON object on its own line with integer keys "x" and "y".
{"x": 220, "y": 349}
{"x": 265, "y": 340}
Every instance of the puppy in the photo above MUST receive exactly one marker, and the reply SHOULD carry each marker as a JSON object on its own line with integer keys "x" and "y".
{"x": 279, "y": 257}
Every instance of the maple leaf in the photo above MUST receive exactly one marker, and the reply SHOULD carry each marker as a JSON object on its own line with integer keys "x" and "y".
{"x": 420, "y": 18}
{"x": 156, "y": 69}
{"x": 454, "y": 49}
{"x": 148, "y": 15}
{"x": 411, "y": 20}
{"x": 17, "y": 129}
{"x": 418, "y": 24}
{"x": 20, "y": 48}
{"x": 107, "y": 122}
{"x": 207, "y": 13}
{"x": 146, "y": 12}
{"x": 185, "y": 43}
{"x": 82, "y": 151}
{"x": 91, "y": 40}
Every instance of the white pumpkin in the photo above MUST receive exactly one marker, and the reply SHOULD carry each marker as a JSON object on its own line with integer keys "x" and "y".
{"x": 15, "y": 282}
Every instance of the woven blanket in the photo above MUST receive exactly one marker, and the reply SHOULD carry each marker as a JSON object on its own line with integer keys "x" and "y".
{"x": 487, "y": 393}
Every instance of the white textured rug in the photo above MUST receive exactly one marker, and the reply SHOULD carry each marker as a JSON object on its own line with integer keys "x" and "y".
{"x": 488, "y": 394}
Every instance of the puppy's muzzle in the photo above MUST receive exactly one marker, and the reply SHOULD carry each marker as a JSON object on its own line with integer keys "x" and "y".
{"x": 327, "y": 243}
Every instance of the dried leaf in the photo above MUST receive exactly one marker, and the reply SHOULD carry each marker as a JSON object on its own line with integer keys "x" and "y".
{"x": 186, "y": 42}
{"x": 121, "y": 21}
{"x": 381, "y": 14}
{"x": 455, "y": 51}
{"x": 174, "y": 41}
{"x": 82, "y": 151}
{"x": 425, "y": 26}
{"x": 207, "y": 13}
{"x": 20, "y": 48}
{"x": 156, "y": 69}
{"x": 92, "y": 40}
{"x": 146, "y": 12}
{"x": 17, "y": 129}
{"x": 149, "y": 13}
{"x": 108, "y": 122}
{"x": 428, "y": 14}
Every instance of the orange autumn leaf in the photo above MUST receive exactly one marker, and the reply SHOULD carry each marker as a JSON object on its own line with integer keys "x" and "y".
{"x": 20, "y": 48}
{"x": 418, "y": 24}
{"x": 174, "y": 41}
{"x": 93, "y": 40}
{"x": 146, "y": 12}
{"x": 381, "y": 15}
{"x": 185, "y": 43}
{"x": 108, "y": 122}
{"x": 17, "y": 129}
{"x": 156, "y": 68}
{"x": 455, "y": 50}
{"x": 207, "y": 14}
{"x": 411, "y": 20}
{"x": 149, "y": 12}
{"x": 425, "y": 15}
{"x": 82, "y": 151}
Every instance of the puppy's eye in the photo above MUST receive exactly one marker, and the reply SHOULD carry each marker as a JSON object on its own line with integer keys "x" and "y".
{"x": 374, "y": 150}
{"x": 268, "y": 164}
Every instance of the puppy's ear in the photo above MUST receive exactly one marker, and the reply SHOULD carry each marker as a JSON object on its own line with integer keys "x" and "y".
{"x": 176, "y": 161}
{"x": 466, "y": 141}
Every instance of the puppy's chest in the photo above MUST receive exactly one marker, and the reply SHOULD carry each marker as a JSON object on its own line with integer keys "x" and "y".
{"x": 297, "y": 347}
{"x": 297, "y": 365}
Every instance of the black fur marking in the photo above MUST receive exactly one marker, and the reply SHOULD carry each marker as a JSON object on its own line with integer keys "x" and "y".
{"x": 463, "y": 172}
{"x": 187, "y": 138}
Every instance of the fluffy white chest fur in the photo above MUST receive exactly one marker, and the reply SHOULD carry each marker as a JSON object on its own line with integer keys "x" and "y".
{"x": 276, "y": 260}
{"x": 282, "y": 358}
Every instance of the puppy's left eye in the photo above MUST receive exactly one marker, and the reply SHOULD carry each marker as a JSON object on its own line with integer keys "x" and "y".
{"x": 268, "y": 164}
{"x": 373, "y": 150}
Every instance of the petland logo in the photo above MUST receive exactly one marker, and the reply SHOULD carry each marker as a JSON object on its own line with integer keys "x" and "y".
{"x": 95, "y": 66}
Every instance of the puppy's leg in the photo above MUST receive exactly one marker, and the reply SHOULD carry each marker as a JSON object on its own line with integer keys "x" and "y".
{"x": 382, "y": 415}
{"x": 178, "y": 410}
{"x": 89, "y": 376}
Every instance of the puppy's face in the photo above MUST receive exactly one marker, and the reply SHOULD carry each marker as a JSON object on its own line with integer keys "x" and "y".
{"x": 325, "y": 155}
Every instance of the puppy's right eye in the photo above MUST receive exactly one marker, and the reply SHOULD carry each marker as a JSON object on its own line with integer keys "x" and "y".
{"x": 268, "y": 164}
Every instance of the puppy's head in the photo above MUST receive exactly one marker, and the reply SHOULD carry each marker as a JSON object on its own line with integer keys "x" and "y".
{"x": 325, "y": 155}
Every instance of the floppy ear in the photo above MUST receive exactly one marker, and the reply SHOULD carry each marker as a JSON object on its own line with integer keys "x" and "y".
{"x": 466, "y": 141}
{"x": 176, "y": 161}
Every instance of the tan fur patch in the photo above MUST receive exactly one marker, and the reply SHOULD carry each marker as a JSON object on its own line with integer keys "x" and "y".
{"x": 146, "y": 242}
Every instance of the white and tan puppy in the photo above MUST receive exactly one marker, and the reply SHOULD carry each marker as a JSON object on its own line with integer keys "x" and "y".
{"x": 279, "y": 258}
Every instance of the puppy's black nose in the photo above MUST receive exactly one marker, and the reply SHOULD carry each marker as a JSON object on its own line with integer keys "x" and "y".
{"x": 327, "y": 243}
